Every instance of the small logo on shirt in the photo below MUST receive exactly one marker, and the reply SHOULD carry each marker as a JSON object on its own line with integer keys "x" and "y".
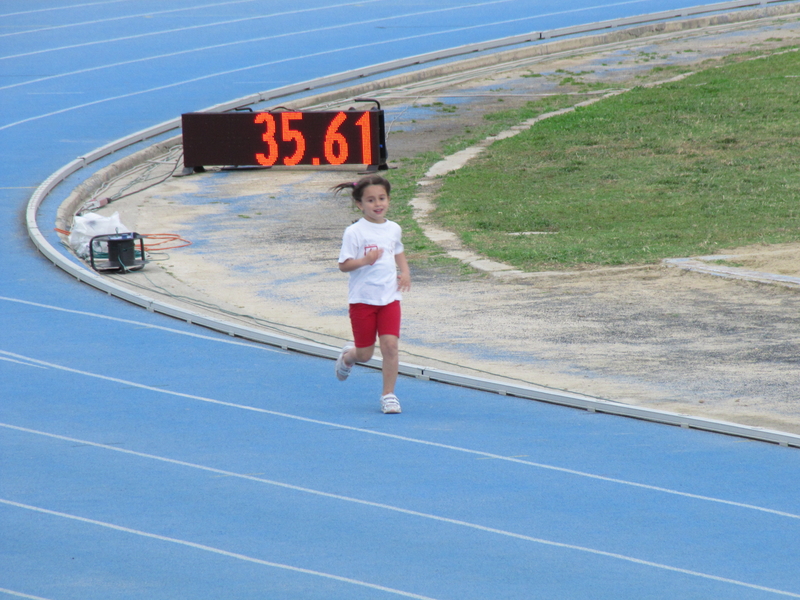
{"x": 370, "y": 248}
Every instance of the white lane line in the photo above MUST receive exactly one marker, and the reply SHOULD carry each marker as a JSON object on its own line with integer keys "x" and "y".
{"x": 173, "y": 54}
{"x": 22, "y": 362}
{"x": 292, "y": 12}
{"x": 412, "y": 440}
{"x": 492, "y": 530}
{"x": 20, "y": 594}
{"x": 213, "y": 550}
{"x": 279, "y": 61}
{"x": 180, "y": 30}
{"x": 145, "y": 325}
{"x": 52, "y": 8}
{"x": 124, "y": 17}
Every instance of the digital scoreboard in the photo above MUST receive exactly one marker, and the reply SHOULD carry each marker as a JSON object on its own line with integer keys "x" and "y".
{"x": 284, "y": 138}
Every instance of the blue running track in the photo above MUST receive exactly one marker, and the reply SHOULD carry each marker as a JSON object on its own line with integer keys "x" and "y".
{"x": 142, "y": 457}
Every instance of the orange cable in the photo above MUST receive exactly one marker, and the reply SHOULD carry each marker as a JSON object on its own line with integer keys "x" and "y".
{"x": 164, "y": 238}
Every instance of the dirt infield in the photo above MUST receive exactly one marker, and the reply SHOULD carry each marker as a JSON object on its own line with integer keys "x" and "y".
{"x": 265, "y": 245}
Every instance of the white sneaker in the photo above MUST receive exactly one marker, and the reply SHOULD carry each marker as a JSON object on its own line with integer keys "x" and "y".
{"x": 342, "y": 370}
{"x": 390, "y": 405}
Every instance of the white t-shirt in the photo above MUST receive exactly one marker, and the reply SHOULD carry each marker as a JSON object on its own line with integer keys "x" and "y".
{"x": 373, "y": 284}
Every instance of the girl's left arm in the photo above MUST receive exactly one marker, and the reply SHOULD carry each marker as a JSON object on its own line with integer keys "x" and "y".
{"x": 404, "y": 277}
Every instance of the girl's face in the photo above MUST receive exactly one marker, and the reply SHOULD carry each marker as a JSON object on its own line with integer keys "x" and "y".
{"x": 374, "y": 203}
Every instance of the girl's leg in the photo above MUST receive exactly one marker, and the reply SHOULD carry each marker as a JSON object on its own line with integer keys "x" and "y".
{"x": 363, "y": 319}
{"x": 391, "y": 361}
{"x": 349, "y": 357}
{"x": 354, "y": 355}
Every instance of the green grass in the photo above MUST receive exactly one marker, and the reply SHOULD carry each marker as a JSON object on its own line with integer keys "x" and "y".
{"x": 681, "y": 169}
{"x": 410, "y": 170}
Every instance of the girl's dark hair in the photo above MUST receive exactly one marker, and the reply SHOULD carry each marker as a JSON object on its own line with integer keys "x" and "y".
{"x": 359, "y": 186}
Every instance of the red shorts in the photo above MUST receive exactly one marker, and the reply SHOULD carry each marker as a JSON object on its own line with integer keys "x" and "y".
{"x": 369, "y": 321}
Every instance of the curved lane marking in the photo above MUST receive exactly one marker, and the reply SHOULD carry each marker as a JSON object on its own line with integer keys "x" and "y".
{"x": 219, "y": 551}
{"x": 177, "y": 30}
{"x": 276, "y": 62}
{"x": 407, "y": 439}
{"x": 120, "y": 18}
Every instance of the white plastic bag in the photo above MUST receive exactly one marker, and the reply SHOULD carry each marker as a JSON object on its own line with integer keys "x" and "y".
{"x": 85, "y": 227}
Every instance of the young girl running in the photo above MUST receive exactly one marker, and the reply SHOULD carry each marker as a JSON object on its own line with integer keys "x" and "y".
{"x": 372, "y": 253}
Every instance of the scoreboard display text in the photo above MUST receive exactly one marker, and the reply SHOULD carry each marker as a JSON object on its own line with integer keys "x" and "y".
{"x": 285, "y": 138}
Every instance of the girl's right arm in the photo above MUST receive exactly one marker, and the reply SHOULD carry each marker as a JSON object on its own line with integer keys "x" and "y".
{"x": 351, "y": 264}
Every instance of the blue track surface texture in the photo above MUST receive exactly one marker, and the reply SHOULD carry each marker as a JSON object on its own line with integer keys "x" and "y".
{"x": 141, "y": 457}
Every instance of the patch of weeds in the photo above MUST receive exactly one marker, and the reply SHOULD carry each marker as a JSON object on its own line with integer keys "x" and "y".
{"x": 442, "y": 107}
{"x": 669, "y": 68}
{"x": 727, "y": 263}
